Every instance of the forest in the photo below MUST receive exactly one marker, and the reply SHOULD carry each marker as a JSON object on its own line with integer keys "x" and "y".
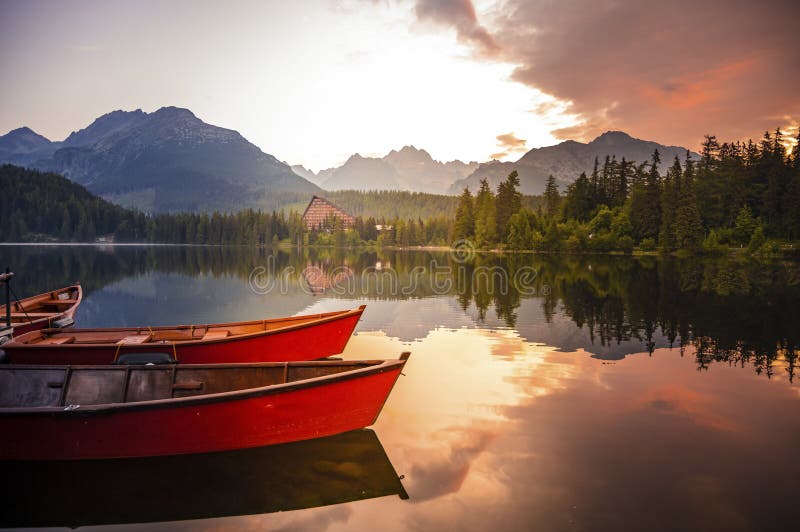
{"x": 737, "y": 195}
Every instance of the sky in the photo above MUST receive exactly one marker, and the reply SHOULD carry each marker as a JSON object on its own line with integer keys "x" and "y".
{"x": 313, "y": 82}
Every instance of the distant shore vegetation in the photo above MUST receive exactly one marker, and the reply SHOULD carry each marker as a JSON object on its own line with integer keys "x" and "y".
{"x": 742, "y": 195}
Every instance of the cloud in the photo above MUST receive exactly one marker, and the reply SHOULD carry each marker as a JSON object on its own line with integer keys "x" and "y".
{"x": 669, "y": 70}
{"x": 460, "y": 15}
{"x": 508, "y": 144}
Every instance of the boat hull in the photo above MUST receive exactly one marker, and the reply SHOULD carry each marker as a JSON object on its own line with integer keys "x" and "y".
{"x": 23, "y": 324}
{"x": 309, "y": 341}
{"x": 199, "y": 425}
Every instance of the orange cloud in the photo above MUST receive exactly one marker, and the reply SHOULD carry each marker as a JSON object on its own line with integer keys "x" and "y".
{"x": 668, "y": 71}
{"x": 508, "y": 144}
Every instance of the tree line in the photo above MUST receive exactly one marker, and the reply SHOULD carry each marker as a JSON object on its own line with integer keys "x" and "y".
{"x": 737, "y": 194}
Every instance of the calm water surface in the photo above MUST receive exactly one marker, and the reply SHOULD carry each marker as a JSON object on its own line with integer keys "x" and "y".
{"x": 548, "y": 393}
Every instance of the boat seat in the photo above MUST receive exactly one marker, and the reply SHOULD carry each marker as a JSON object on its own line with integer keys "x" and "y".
{"x": 57, "y": 340}
{"x": 217, "y": 334}
{"x": 170, "y": 336}
{"x": 31, "y": 314}
{"x": 134, "y": 339}
{"x": 60, "y": 302}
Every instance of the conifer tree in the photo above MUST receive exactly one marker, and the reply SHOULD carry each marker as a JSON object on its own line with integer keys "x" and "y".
{"x": 646, "y": 203}
{"x": 552, "y": 198}
{"x": 578, "y": 202}
{"x": 485, "y": 216}
{"x": 509, "y": 202}
{"x": 688, "y": 223}
{"x": 669, "y": 203}
{"x": 464, "y": 227}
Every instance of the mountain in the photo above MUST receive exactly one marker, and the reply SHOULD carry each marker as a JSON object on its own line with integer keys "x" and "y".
{"x": 406, "y": 169}
{"x": 362, "y": 173}
{"x": 418, "y": 171}
{"x": 167, "y": 160}
{"x": 21, "y": 143}
{"x": 565, "y": 161}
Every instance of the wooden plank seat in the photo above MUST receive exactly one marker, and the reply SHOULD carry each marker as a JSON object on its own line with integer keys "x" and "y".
{"x": 30, "y": 315}
{"x": 57, "y": 340}
{"x": 170, "y": 336}
{"x": 134, "y": 339}
{"x": 65, "y": 302}
{"x": 217, "y": 334}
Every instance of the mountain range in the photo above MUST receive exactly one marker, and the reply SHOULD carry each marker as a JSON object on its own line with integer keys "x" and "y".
{"x": 170, "y": 160}
{"x": 167, "y": 160}
{"x": 406, "y": 169}
{"x": 414, "y": 169}
{"x": 566, "y": 160}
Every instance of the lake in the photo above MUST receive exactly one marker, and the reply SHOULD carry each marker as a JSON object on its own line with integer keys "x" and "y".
{"x": 543, "y": 392}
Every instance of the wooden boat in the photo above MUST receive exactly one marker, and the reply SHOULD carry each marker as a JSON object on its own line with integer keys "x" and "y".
{"x": 283, "y": 339}
{"x": 336, "y": 469}
{"x": 122, "y": 411}
{"x": 51, "y": 309}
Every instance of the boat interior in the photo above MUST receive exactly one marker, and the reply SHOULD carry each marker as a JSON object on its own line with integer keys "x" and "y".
{"x": 41, "y": 306}
{"x": 62, "y": 386}
{"x": 162, "y": 335}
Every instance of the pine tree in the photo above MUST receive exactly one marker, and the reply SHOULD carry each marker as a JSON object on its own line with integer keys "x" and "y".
{"x": 594, "y": 182}
{"x": 688, "y": 223}
{"x": 621, "y": 183}
{"x": 552, "y": 199}
{"x": 578, "y": 203}
{"x": 509, "y": 202}
{"x": 464, "y": 227}
{"x": 646, "y": 203}
{"x": 485, "y": 216}
{"x": 669, "y": 203}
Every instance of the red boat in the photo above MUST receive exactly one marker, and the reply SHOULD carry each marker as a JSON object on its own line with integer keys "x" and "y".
{"x": 51, "y": 309}
{"x": 124, "y": 411}
{"x": 283, "y": 339}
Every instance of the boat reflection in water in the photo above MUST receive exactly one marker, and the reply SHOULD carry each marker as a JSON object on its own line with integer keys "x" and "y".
{"x": 333, "y": 470}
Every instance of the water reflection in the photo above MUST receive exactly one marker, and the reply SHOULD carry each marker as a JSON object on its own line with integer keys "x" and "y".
{"x": 520, "y": 408}
{"x": 724, "y": 310}
{"x": 333, "y": 470}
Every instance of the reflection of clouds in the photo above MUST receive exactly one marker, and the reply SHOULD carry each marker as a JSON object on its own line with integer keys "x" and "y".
{"x": 679, "y": 400}
{"x": 321, "y": 520}
{"x": 444, "y": 472}
{"x": 317, "y": 519}
{"x": 409, "y": 320}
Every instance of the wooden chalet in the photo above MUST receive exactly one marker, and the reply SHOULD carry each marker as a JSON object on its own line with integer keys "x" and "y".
{"x": 320, "y": 214}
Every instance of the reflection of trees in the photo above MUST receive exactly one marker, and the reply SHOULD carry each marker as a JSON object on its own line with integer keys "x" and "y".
{"x": 729, "y": 310}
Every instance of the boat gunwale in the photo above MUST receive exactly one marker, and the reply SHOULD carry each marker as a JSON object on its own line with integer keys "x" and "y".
{"x": 372, "y": 367}
{"x": 68, "y": 312}
{"x": 316, "y": 319}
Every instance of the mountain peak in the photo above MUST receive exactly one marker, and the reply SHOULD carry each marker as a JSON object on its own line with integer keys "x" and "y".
{"x": 24, "y": 131}
{"x": 174, "y": 112}
{"x": 22, "y": 140}
{"x": 610, "y": 137}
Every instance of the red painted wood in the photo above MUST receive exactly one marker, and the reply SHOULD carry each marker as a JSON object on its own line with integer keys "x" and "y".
{"x": 303, "y": 343}
{"x": 295, "y": 415}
